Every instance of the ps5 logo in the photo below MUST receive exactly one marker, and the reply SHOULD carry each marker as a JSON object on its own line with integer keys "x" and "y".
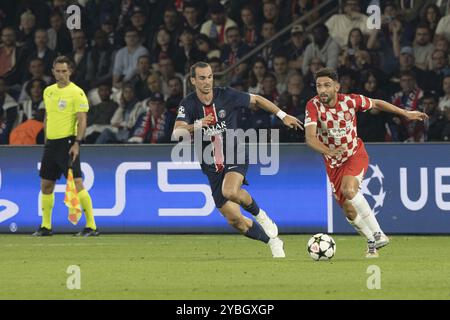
{"x": 8, "y": 209}
{"x": 163, "y": 183}
{"x": 120, "y": 186}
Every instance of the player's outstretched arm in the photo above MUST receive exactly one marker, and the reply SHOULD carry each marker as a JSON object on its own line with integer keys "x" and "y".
{"x": 288, "y": 120}
{"x": 388, "y": 107}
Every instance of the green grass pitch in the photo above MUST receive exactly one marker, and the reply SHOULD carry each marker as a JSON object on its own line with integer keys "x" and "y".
{"x": 218, "y": 267}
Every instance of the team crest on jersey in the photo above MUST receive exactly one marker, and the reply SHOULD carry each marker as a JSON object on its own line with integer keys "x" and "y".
{"x": 222, "y": 114}
{"x": 62, "y": 104}
{"x": 181, "y": 112}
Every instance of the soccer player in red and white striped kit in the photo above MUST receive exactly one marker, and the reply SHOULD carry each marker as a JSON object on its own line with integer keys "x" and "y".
{"x": 330, "y": 128}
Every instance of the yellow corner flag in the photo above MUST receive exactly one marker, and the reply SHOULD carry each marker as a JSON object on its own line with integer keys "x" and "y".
{"x": 71, "y": 199}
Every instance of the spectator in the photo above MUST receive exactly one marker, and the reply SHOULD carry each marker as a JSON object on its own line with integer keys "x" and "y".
{"x": 107, "y": 26}
{"x": 125, "y": 118}
{"x": 216, "y": 27}
{"x": 271, "y": 13}
{"x": 235, "y": 49}
{"x": 324, "y": 47}
{"x": 30, "y": 132}
{"x": 439, "y": 69}
{"x": 27, "y": 28}
{"x": 444, "y": 101}
{"x": 100, "y": 60}
{"x": 39, "y": 8}
{"x": 410, "y": 9}
{"x": 269, "y": 51}
{"x": 157, "y": 124}
{"x": 12, "y": 58}
{"x": 97, "y": 11}
{"x": 124, "y": 9}
{"x": 162, "y": 47}
{"x": 34, "y": 101}
{"x": 175, "y": 95}
{"x": 167, "y": 71}
{"x": 442, "y": 44}
{"x": 347, "y": 81}
{"x": 59, "y": 39}
{"x": 407, "y": 63}
{"x": 139, "y": 22}
{"x": 206, "y": 46}
{"x": 297, "y": 47}
{"x": 281, "y": 69}
{"x": 154, "y": 84}
{"x": 191, "y": 17}
{"x": 269, "y": 88}
{"x": 443, "y": 27}
{"x": 372, "y": 123}
{"x": 341, "y": 24}
{"x": 309, "y": 78}
{"x": 125, "y": 61}
{"x": 187, "y": 53}
{"x": 355, "y": 41}
{"x": 431, "y": 16}
{"x": 139, "y": 80}
{"x": 100, "y": 115}
{"x": 293, "y": 102}
{"x": 42, "y": 51}
{"x": 423, "y": 48}
{"x": 407, "y": 98}
{"x": 249, "y": 29}
{"x": 259, "y": 118}
{"x": 79, "y": 57}
{"x": 8, "y": 112}
{"x": 436, "y": 121}
{"x": 256, "y": 76}
{"x": 172, "y": 23}
{"x": 37, "y": 72}
{"x": 388, "y": 42}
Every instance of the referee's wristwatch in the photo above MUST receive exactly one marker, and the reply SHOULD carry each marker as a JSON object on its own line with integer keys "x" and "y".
{"x": 79, "y": 142}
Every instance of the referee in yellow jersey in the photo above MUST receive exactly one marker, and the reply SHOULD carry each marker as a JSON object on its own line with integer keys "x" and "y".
{"x": 66, "y": 106}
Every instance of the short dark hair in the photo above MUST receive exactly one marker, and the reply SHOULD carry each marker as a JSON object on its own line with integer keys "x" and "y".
{"x": 200, "y": 64}
{"x": 408, "y": 73}
{"x": 63, "y": 59}
{"x": 327, "y": 72}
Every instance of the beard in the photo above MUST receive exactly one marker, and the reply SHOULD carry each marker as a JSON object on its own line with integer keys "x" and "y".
{"x": 325, "y": 99}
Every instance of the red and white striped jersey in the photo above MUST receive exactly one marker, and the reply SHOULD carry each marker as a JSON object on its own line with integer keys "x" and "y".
{"x": 336, "y": 127}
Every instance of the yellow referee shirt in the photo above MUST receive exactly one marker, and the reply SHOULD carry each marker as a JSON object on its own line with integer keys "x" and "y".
{"x": 61, "y": 106}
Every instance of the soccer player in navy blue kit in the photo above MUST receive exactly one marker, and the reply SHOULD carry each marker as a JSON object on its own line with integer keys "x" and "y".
{"x": 214, "y": 111}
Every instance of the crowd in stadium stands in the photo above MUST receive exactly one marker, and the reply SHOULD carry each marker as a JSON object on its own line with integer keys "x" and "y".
{"x": 131, "y": 58}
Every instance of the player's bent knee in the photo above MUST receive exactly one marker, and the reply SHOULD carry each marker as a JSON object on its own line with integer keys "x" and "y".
{"x": 230, "y": 194}
{"x": 349, "y": 193}
{"x": 237, "y": 223}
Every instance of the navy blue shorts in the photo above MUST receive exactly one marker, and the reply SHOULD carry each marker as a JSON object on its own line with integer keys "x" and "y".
{"x": 216, "y": 181}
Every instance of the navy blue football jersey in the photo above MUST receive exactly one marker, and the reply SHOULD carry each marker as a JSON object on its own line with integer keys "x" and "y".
{"x": 225, "y": 109}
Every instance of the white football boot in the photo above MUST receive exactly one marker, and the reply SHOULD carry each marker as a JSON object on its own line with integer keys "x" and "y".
{"x": 381, "y": 240}
{"x": 269, "y": 227}
{"x": 277, "y": 247}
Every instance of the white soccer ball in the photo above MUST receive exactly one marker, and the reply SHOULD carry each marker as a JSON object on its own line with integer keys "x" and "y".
{"x": 321, "y": 247}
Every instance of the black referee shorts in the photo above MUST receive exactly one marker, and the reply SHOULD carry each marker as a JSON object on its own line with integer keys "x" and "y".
{"x": 55, "y": 160}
